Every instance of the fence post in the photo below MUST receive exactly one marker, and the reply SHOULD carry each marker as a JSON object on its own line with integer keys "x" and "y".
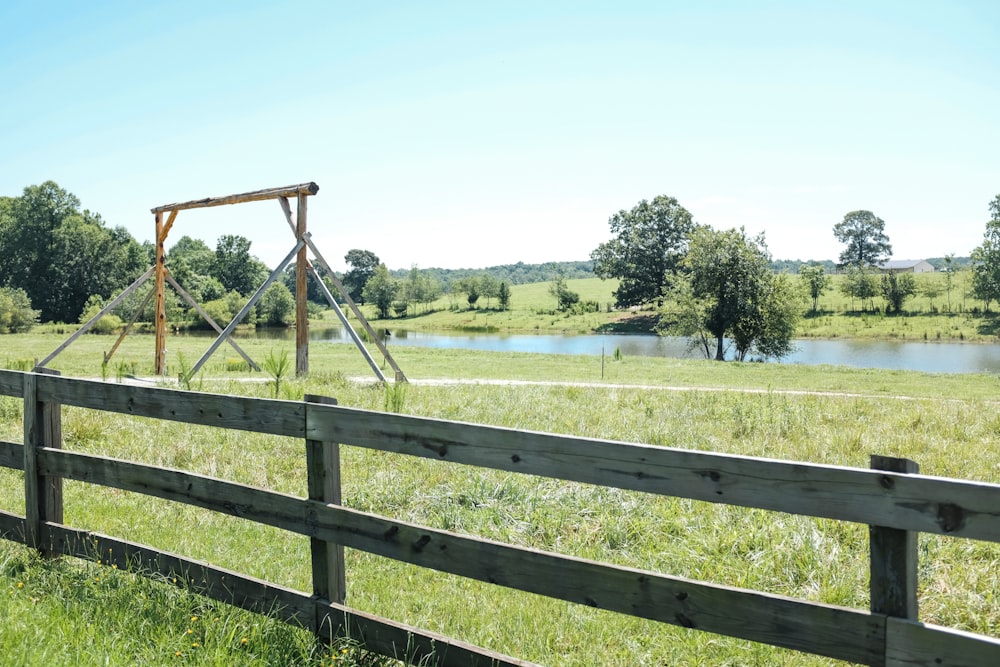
{"x": 43, "y": 495}
{"x": 893, "y": 555}
{"x": 323, "y": 469}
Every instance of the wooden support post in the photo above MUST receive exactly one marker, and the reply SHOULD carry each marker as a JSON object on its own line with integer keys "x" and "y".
{"x": 323, "y": 466}
{"x": 301, "y": 293}
{"x": 43, "y": 495}
{"x": 160, "y": 316}
{"x": 893, "y": 555}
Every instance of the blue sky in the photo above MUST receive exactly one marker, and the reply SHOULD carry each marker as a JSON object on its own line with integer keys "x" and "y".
{"x": 461, "y": 134}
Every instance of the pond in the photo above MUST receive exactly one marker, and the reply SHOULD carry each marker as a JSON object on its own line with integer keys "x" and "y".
{"x": 915, "y": 356}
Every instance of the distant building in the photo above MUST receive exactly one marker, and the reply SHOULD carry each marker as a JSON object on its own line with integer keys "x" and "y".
{"x": 906, "y": 266}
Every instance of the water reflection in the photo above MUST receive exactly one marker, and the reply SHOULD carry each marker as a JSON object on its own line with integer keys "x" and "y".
{"x": 928, "y": 357}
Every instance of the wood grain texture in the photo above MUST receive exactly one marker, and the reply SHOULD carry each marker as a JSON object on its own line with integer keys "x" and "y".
{"x": 11, "y": 383}
{"x": 11, "y": 455}
{"x": 836, "y": 632}
{"x": 271, "y": 416}
{"x": 324, "y": 619}
{"x": 909, "y": 502}
{"x": 912, "y": 644}
{"x": 12, "y": 527}
{"x": 256, "y": 195}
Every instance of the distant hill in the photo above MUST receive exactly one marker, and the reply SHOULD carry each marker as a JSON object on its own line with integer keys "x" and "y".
{"x": 512, "y": 274}
{"x": 523, "y": 274}
{"x": 792, "y": 265}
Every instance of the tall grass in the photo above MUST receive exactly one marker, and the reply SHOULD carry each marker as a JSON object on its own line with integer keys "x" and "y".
{"x": 946, "y": 423}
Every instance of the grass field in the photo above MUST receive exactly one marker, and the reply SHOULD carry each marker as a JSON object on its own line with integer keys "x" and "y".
{"x": 931, "y": 315}
{"x": 68, "y": 613}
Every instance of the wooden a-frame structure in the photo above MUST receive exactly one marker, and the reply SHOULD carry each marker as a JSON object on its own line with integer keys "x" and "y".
{"x": 303, "y": 268}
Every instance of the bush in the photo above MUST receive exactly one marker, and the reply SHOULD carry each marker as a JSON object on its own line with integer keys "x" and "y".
{"x": 16, "y": 313}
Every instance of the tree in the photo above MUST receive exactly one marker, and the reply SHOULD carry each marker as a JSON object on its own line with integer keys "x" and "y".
{"x": 276, "y": 307}
{"x": 730, "y": 291}
{"x": 489, "y": 287}
{"x": 469, "y": 286}
{"x": 363, "y": 265}
{"x": 949, "y": 276}
{"x": 650, "y": 241}
{"x": 381, "y": 290}
{"x": 60, "y": 255}
{"x": 503, "y": 296}
{"x": 897, "y": 288}
{"x": 864, "y": 234}
{"x": 16, "y": 313}
{"x": 235, "y": 267}
{"x": 986, "y": 260}
{"x": 859, "y": 283}
{"x": 565, "y": 297}
{"x": 816, "y": 282}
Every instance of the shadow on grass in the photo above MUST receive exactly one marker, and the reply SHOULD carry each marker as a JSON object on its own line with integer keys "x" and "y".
{"x": 989, "y": 325}
{"x": 645, "y": 324}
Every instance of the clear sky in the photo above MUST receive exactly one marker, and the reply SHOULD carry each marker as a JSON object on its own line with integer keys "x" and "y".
{"x": 468, "y": 134}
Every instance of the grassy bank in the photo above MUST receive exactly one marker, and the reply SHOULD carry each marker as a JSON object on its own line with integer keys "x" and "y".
{"x": 931, "y": 315}
{"x": 947, "y": 423}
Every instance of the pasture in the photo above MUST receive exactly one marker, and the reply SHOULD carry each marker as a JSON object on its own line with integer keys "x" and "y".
{"x": 946, "y": 423}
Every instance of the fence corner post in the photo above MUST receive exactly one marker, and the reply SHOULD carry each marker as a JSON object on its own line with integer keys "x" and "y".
{"x": 893, "y": 556}
{"x": 323, "y": 469}
{"x": 43, "y": 494}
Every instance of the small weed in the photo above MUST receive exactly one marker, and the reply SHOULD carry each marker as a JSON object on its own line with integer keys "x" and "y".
{"x": 276, "y": 365}
{"x": 395, "y": 396}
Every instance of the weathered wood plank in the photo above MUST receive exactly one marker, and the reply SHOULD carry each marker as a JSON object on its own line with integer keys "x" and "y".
{"x": 845, "y": 634}
{"x": 909, "y": 502}
{"x": 32, "y": 475}
{"x": 12, "y": 527}
{"x": 11, "y": 383}
{"x": 323, "y": 475}
{"x": 257, "y": 195}
{"x": 271, "y": 416}
{"x": 11, "y": 455}
{"x": 893, "y": 557}
{"x": 325, "y": 620}
{"x": 301, "y": 302}
{"x": 913, "y": 644}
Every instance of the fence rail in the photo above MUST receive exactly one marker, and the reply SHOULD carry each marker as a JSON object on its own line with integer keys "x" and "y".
{"x": 896, "y": 505}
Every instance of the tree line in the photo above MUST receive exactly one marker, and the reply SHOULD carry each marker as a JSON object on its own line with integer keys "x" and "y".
{"x": 720, "y": 287}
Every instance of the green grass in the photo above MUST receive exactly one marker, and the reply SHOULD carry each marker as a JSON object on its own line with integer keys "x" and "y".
{"x": 939, "y": 319}
{"x": 947, "y": 423}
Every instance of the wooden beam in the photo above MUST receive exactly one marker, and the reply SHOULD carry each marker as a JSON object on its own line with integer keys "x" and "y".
{"x": 893, "y": 557}
{"x": 160, "y": 314}
{"x": 304, "y": 189}
{"x": 162, "y": 235}
{"x": 301, "y": 292}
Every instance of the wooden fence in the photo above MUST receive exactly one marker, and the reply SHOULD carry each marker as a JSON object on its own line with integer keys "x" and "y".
{"x": 895, "y": 502}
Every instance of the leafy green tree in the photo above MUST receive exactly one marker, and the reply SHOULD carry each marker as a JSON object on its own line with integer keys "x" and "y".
{"x": 381, "y": 290}
{"x": 60, "y": 255}
{"x": 503, "y": 296}
{"x": 864, "y": 234}
{"x": 364, "y": 264}
{"x": 565, "y": 297}
{"x": 235, "y": 267}
{"x": 860, "y": 283}
{"x": 489, "y": 287}
{"x": 648, "y": 245}
{"x": 16, "y": 313}
{"x": 469, "y": 286}
{"x": 276, "y": 307}
{"x": 986, "y": 260}
{"x": 931, "y": 288}
{"x": 816, "y": 281}
{"x": 730, "y": 291}
{"x": 949, "y": 275}
{"x": 897, "y": 288}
